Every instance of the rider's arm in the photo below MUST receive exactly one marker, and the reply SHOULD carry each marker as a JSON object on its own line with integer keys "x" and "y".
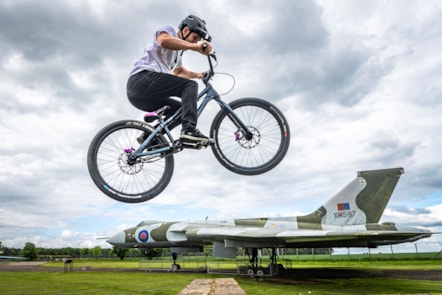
{"x": 172, "y": 43}
{"x": 186, "y": 73}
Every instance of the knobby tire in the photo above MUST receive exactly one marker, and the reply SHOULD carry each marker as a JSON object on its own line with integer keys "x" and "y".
{"x": 258, "y": 154}
{"x": 115, "y": 176}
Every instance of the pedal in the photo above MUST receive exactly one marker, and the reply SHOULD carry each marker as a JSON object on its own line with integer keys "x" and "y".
{"x": 178, "y": 145}
{"x": 197, "y": 145}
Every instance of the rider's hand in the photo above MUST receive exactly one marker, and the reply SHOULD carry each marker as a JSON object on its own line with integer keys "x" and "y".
{"x": 200, "y": 75}
{"x": 204, "y": 48}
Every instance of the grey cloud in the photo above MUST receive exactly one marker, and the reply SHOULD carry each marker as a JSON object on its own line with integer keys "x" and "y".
{"x": 51, "y": 39}
{"x": 428, "y": 176}
{"x": 298, "y": 57}
{"x": 296, "y": 27}
{"x": 55, "y": 39}
{"x": 413, "y": 211}
{"x": 386, "y": 148}
{"x": 293, "y": 54}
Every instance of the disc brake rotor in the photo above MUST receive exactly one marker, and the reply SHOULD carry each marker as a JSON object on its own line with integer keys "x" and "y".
{"x": 125, "y": 164}
{"x": 248, "y": 143}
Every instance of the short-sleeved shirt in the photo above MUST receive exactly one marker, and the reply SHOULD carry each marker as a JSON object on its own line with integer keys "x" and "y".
{"x": 156, "y": 58}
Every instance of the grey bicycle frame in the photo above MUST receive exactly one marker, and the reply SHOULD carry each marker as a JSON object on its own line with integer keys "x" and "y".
{"x": 210, "y": 94}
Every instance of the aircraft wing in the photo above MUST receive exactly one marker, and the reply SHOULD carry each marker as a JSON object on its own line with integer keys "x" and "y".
{"x": 271, "y": 237}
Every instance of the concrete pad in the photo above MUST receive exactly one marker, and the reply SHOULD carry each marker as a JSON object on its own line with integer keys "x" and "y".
{"x": 27, "y": 263}
{"x": 227, "y": 286}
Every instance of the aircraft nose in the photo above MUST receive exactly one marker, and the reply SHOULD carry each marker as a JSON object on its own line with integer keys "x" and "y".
{"x": 118, "y": 238}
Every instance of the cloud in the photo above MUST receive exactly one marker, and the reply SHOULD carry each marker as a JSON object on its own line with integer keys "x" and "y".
{"x": 428, "y": 217}
{"x": 359, "y": 84}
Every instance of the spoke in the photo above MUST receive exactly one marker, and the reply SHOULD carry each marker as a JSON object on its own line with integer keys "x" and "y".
{"x": 260, "y": 149}
{"x": 125, "y": 178}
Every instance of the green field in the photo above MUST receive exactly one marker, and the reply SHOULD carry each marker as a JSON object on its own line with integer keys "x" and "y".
{"x": 123, "y": 277}
{"x": 149, "y": 283}
{"x": 289, "y": 261}
{"x": 189, "y": 264}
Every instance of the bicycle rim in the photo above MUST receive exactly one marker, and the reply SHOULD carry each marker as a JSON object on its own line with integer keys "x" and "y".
{"x": 255, "y": 155}
{"x": 116, "y": 176}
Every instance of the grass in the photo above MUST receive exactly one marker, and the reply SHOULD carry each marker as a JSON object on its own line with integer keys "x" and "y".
{"x": 120, "y": 283}
{"x": 426, "y": 261}
{"x": 30, "y": 283}
{"x": 123, "y": 282}
{"x": 396, "y": 264}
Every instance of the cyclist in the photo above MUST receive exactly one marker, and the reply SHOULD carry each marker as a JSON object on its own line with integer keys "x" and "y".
{"x": 159, "y": 74}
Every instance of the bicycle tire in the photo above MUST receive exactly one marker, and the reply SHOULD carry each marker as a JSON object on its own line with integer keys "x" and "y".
{"x": 113, "y": 175}
{"x": 261, "y": 153}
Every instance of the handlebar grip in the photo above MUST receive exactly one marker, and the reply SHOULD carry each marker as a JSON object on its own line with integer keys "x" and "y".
{"x": 204, "y": 47}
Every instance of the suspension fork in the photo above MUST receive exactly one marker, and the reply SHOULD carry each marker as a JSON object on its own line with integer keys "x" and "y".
{"x": 235, "y": 119}
{"x": 210, "y": 93}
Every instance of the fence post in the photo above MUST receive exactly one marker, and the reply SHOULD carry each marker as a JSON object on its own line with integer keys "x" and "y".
{"x": 68, "y": 265}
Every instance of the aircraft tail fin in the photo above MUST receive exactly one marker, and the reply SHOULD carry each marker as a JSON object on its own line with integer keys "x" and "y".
{"x": 362, "y": 201}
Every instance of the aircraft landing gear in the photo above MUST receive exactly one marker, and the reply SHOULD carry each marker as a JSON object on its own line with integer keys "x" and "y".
{"x": 274, "y": 267}
{"x": 175, "y": 266}
{"x": 255, "y": 261}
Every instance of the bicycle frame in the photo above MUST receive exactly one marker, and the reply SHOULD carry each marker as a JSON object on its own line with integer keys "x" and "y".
{"x": 207, "y": 94}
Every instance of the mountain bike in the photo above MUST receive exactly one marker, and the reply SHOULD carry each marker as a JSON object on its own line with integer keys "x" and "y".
{"x": 250, "y": 136}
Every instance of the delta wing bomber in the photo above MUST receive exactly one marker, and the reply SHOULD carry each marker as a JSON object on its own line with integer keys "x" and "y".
{"x": 349, "y": 219}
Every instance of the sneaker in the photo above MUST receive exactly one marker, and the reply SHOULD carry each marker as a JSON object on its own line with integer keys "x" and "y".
{"x": 193, "y": 136}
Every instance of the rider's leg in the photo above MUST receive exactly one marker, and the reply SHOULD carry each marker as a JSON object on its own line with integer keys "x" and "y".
{"x": 188, "y": 99}
{"x": 146, "y": 88}
{"x": 189, "y": 133}
{"x": 155, "y": 105}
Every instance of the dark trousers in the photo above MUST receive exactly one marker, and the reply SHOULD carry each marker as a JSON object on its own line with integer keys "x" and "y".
{"x": 148, "y": 91}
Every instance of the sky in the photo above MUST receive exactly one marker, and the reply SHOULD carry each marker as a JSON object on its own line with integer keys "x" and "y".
{"x": 359, "y": 82}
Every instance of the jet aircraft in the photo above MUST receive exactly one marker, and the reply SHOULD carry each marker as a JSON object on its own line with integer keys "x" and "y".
{"x": 348, "y": 219}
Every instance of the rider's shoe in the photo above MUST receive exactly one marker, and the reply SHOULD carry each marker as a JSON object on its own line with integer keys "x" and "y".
{"x": 193, "y": 136}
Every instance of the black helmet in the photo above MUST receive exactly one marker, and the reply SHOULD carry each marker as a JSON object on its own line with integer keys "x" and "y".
{"x": 195, "y": 25}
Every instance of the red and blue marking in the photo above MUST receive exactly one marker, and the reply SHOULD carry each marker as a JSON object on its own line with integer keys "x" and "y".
{"x": 143, "y": 236}
{"x": 343, "y": 206}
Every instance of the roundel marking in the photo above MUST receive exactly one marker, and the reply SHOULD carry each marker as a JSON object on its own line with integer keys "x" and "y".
{"x": 143, "y": 236}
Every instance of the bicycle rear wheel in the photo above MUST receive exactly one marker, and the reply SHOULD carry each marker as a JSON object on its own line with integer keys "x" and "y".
{"x": 263, "y": 150}
{"x": 124, "y": 179}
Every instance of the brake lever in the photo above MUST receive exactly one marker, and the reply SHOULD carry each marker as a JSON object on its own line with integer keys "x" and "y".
{"x": 207, "y": 77}
{"x": 213, "y": 54}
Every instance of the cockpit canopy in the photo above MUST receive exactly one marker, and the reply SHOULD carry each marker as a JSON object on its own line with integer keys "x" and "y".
{"x": 148, "y": 222}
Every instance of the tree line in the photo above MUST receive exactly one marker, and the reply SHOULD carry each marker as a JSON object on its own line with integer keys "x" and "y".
{"x": 30, "y": 251}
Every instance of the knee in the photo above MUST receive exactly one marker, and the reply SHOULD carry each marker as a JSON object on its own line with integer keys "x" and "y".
{"x": 192, "y": 87}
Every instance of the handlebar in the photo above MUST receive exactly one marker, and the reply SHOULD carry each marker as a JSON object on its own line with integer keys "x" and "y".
{"x": 210, "y": 73}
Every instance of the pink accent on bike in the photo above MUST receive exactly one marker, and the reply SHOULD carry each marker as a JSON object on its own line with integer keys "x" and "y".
{"x": 150, "y": 114}
{"x": 237, "y": 137}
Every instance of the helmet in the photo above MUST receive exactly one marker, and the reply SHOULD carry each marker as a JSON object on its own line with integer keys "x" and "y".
{"x": 195, "y": 25}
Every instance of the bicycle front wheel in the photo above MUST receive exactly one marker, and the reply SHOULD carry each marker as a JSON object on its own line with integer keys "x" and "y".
{"x": 255, "y": 154}
{"x": 121, "y": 177}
